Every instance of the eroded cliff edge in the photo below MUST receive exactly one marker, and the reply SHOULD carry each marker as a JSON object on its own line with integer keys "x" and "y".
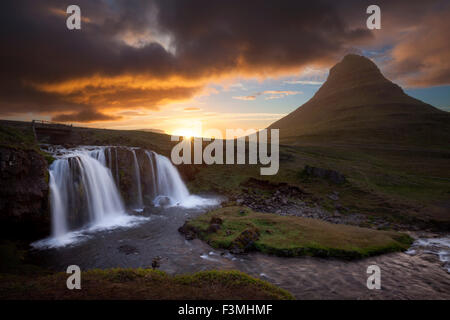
{"x": 24, "y": 206}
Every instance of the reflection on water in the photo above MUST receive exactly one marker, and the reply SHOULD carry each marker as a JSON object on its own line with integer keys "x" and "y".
{"x": 403, "y": 276}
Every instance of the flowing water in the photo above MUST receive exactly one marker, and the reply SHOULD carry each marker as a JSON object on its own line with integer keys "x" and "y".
{"x": 128, "y": 240}
{"x": 84, "y": 197}
{"x": 137, "y": 180}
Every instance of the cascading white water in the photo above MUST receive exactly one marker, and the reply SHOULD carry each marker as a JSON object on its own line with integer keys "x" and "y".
{"x": 137, "y": 177}
{"x": 168, "y": 182}
{"x": 170, "y": 188}
{"x": 99, "y": 154}
{"x": 117, "y": 166}
{"x": 83, "y": 192}
{"x": 152, "y": 176}
{"x": 80, "y": 179}
{"x": 102, "y": 196}
{"x": 59, "y": 224}
{"x": 109, "y": 159}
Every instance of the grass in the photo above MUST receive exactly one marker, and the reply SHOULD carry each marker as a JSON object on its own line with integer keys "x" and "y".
{"x": 17, "y": 137}
{"x": 21, "y": 137}
{"x": 139, "y": 284}
{"x": 295, "y": 236}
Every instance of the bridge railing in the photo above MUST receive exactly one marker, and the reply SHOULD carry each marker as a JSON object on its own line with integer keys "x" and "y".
{"x": 50, "y": 124}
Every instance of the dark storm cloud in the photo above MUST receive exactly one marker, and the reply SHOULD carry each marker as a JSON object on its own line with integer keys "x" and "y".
{"x": 85, "y": 116}
{"x": 147, "y": 53}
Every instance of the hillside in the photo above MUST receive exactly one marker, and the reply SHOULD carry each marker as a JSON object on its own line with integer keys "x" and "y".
{"x": 358, "y": 105}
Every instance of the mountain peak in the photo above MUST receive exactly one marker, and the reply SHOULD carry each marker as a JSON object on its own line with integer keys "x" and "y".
{"x": 354, "y": 64}
{"x": 355, "y": 71}
{"x": 357, "y": 103}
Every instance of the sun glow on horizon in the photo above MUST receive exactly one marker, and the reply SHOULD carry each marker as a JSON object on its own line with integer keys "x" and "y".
{"x": 189, "y": 129}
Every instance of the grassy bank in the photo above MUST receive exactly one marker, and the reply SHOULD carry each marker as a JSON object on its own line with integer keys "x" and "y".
{"x": 20, "y": 137}
{"x": 241, "y": 229}
{"x": 138, "y": 284}
{"x": 20, "y": 278}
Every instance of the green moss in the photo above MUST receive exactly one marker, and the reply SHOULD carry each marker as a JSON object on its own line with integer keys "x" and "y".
{"x": 48, "y": 157}
{"x": 295, "y": 236}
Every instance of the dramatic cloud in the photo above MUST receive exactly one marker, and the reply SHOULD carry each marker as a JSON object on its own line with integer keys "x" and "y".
{"x": 85, "y": 116}
{"x": 428, "y": 63}
{"x": 145, "y": 54}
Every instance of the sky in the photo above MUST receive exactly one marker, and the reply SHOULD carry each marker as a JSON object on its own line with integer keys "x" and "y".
{"x": 183, "y": 67}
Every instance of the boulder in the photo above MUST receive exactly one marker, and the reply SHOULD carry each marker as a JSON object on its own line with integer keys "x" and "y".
{"x": 328, "y": 174}
{"x": 245, "y": 241}
{"x": 188, "y": 231}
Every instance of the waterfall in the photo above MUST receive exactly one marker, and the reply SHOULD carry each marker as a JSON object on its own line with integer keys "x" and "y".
{"x": 83, "y": 191}
{"x": 137, "y": 177}
{"x": 59, "y": 225}
{"x": 99, "y": 154}
{"x": 152, "y": 176}
{"x": 84, "y": 195}
{"x": 109, "y": 159}
{"x": 169, "y": 186}
{"x": 117, "y": 167}
{"x": 102, "y": 196}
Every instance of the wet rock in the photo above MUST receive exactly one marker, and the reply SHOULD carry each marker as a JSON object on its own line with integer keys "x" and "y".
{"x": 150, "y": 210}
{"x": 245, "y": 241}
{"x": 216, "y": 220}
{"x": 188, "y": 231}
{"x": 333, "y": 197}
{"x": 156, "y": 262}
{"x": 162, "y": 201}
{"x": 214, "y": 227}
